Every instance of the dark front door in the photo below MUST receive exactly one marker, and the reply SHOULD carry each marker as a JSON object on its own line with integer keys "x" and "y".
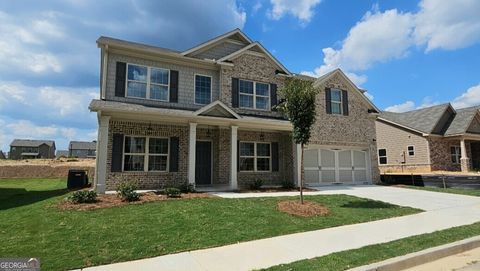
{"x": 203, "y": 163}
{"x": 475, "y": 148}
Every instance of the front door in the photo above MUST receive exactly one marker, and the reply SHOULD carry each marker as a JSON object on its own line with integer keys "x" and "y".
{"x": 203, "y": 163}
{"x": 475, "y": 148}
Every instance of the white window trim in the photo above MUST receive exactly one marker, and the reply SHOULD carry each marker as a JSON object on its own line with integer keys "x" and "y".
{"x": 386, "y": 155}
{"x": 255, "y": 156}
{"x": 146, "y": 154}
{"x": 254, "y": 94}
{"x": 413, "y": 150}
{"x": 332, "y": 101}
{"x": 195, "y": 88}
{"x": 147, "y": 94}
{"x": 457, "y": 155}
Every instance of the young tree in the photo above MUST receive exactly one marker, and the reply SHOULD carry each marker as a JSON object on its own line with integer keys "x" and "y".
{"x": 299, "y": 107}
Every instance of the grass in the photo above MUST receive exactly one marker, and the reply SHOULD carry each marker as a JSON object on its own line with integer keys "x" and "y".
{"x": 31, "y": 227}
{"x": 468, "y": 192}
{"x": 370, "y": 254}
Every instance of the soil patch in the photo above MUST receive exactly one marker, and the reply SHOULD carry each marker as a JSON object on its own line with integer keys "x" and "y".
{"x": 111, "y": 200}
{"x": 276, "y": 189}
{"x": 307, "y": 209}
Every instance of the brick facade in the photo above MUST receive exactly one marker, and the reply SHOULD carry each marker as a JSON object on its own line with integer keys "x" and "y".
{"x": 220, "y": 138}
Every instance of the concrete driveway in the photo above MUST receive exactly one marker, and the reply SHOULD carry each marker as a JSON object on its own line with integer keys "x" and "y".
{"x": 442, "y": 211}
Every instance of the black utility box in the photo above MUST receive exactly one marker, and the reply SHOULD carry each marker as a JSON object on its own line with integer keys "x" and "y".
{"x": 77, "y": 178}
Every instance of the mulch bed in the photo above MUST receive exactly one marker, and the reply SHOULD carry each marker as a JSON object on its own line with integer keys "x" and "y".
{"x": 111, "y": 200}
{"x": 307, "y": 209}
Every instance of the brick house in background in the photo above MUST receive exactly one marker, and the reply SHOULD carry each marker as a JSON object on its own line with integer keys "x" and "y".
{"x": 207, "y": 116}
{"x": 32, "y": 149}
{"x": 437, "y": 138}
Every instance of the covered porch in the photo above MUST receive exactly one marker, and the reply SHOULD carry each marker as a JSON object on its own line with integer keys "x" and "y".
{"x": 465, "y": 152}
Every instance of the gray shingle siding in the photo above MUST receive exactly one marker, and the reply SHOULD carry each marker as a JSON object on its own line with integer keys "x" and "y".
{"x": 221, "y": 50}
{"x": 186, "y": 82}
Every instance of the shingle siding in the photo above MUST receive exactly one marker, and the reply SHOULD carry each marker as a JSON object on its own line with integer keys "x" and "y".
{"x": 220, "y": 50}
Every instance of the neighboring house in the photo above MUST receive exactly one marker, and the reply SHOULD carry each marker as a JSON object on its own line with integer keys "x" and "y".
{"x": 437, "y": 138}
{"x": 207, "y": 116}
{"x": 31, "y": 149}
{"x": 2, "y": 155}
{"x": 82, "y": 149}
{"x": 62, "y": 153}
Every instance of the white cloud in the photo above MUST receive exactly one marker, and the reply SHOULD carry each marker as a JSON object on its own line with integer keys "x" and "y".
{"x": 391, "y": 34}
{"x": 469, "y": 98}
{"x": 256, "y": 7}
{"x": 448, "y": 24}
{"x": 410, "y": 105}
{"x": 301, "y": 9}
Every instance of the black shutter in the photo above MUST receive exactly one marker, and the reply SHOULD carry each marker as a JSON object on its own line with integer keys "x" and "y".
{"x": 238, "y": 155}
{"x": 273, "y": 96}
{"x": 174, "y": 86}
{"x": 345, "y": 102}
{"x": 121, "y": 74}
{"x": 174, "y": 148}
{"x": 235, "y": 83}
{"x": 328, "y": 100}
{"x": 117, "y": 152}
{"x": 275, "y": 162}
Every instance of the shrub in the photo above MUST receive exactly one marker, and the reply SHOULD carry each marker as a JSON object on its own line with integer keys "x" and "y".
{"x": 257, "y": 184}
{"x": 172, "y": 192}
{"x": 187, "y": 188}
{"x": 288, "y": 185}
{"x": 126, "y": 191}
{"x": 83, "y": 196}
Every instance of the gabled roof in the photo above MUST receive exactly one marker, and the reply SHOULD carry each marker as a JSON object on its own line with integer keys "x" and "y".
{"x": 113, "y": 41}
{"x": 462, "y": 121}
{"x": 251, "y": 46}
{"x": 328, "y": 75}
{"x": 83, "y": 145}
{"x": 217, "y": 109}
{"x": 31, "y": 143}
{"x": 235, "y": 32}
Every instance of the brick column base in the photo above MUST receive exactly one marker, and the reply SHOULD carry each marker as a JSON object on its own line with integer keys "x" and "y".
{"x": 465, "y": 164}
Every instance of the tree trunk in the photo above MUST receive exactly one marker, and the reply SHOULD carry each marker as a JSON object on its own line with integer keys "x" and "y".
{"x": 301, "y": 177}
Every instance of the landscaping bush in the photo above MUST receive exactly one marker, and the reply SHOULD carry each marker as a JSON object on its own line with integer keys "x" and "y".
{"x": 126, "y": 191}
{"x": 172, "y": 192}
{"x": 256, "y": 185}
{"x": 288, "y": 185}
{"x": 83, "y": 196}
{"x": 187, "y": 188}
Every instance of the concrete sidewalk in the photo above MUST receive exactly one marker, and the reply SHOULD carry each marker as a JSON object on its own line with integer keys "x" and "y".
{"x": 442, "y": 211}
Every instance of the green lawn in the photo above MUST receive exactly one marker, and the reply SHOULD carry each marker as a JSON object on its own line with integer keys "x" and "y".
{"x": 31, "y": 227}
{"x": 468, "y": 192}
{"x": 375, "y": 253}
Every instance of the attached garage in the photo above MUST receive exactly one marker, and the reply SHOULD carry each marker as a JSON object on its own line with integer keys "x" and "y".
{"x": 327, "y": 165}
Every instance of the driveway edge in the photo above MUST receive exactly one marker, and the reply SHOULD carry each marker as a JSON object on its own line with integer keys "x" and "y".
{"x": 421, "y": 257}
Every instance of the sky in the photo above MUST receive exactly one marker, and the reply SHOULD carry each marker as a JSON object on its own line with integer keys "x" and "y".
{"x": 407, "y": 54}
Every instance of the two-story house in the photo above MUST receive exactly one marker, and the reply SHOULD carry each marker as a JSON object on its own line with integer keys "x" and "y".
{"x": 82, "y": 149}
{"x": 207, "y": 116}
{"x": 32, "y": 149}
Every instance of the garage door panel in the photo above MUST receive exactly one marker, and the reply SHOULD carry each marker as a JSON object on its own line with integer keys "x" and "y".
{"x": 359, "y": 159}
{"x": 312, "y": 176}
{"x": 360, "y": 175}
{"x": 345, "y": 176}
{"x": 311, "y": 158}
{"x": 327, "y": 158}
{"x": 328, "y": 176}
{"x": 345, "y": 159}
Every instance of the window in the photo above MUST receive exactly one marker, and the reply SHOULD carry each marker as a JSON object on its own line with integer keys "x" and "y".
{"x": 147, "y": 83}
{"x": 254, "y": 95}
{"x": 255, "y": 156}
{"x": 336, "y": 102}
{"x": 455, "y": 153}
{"x": 203, "y": 89}
{"x": 382, "y": 156}
{"x": 137, "y": 157}
{"x": 411, "y": 150}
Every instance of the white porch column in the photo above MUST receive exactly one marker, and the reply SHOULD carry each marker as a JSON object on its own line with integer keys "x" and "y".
{"x": 192, "y": 143}
{"x": 464, "y": 160}
{"x": 233, "y": 158}
{"x": 297, "y": 165}
{"x": 101, "y": 161}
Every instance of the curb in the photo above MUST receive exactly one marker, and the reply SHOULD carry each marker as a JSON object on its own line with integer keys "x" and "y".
{"x": 421, "y": 257}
